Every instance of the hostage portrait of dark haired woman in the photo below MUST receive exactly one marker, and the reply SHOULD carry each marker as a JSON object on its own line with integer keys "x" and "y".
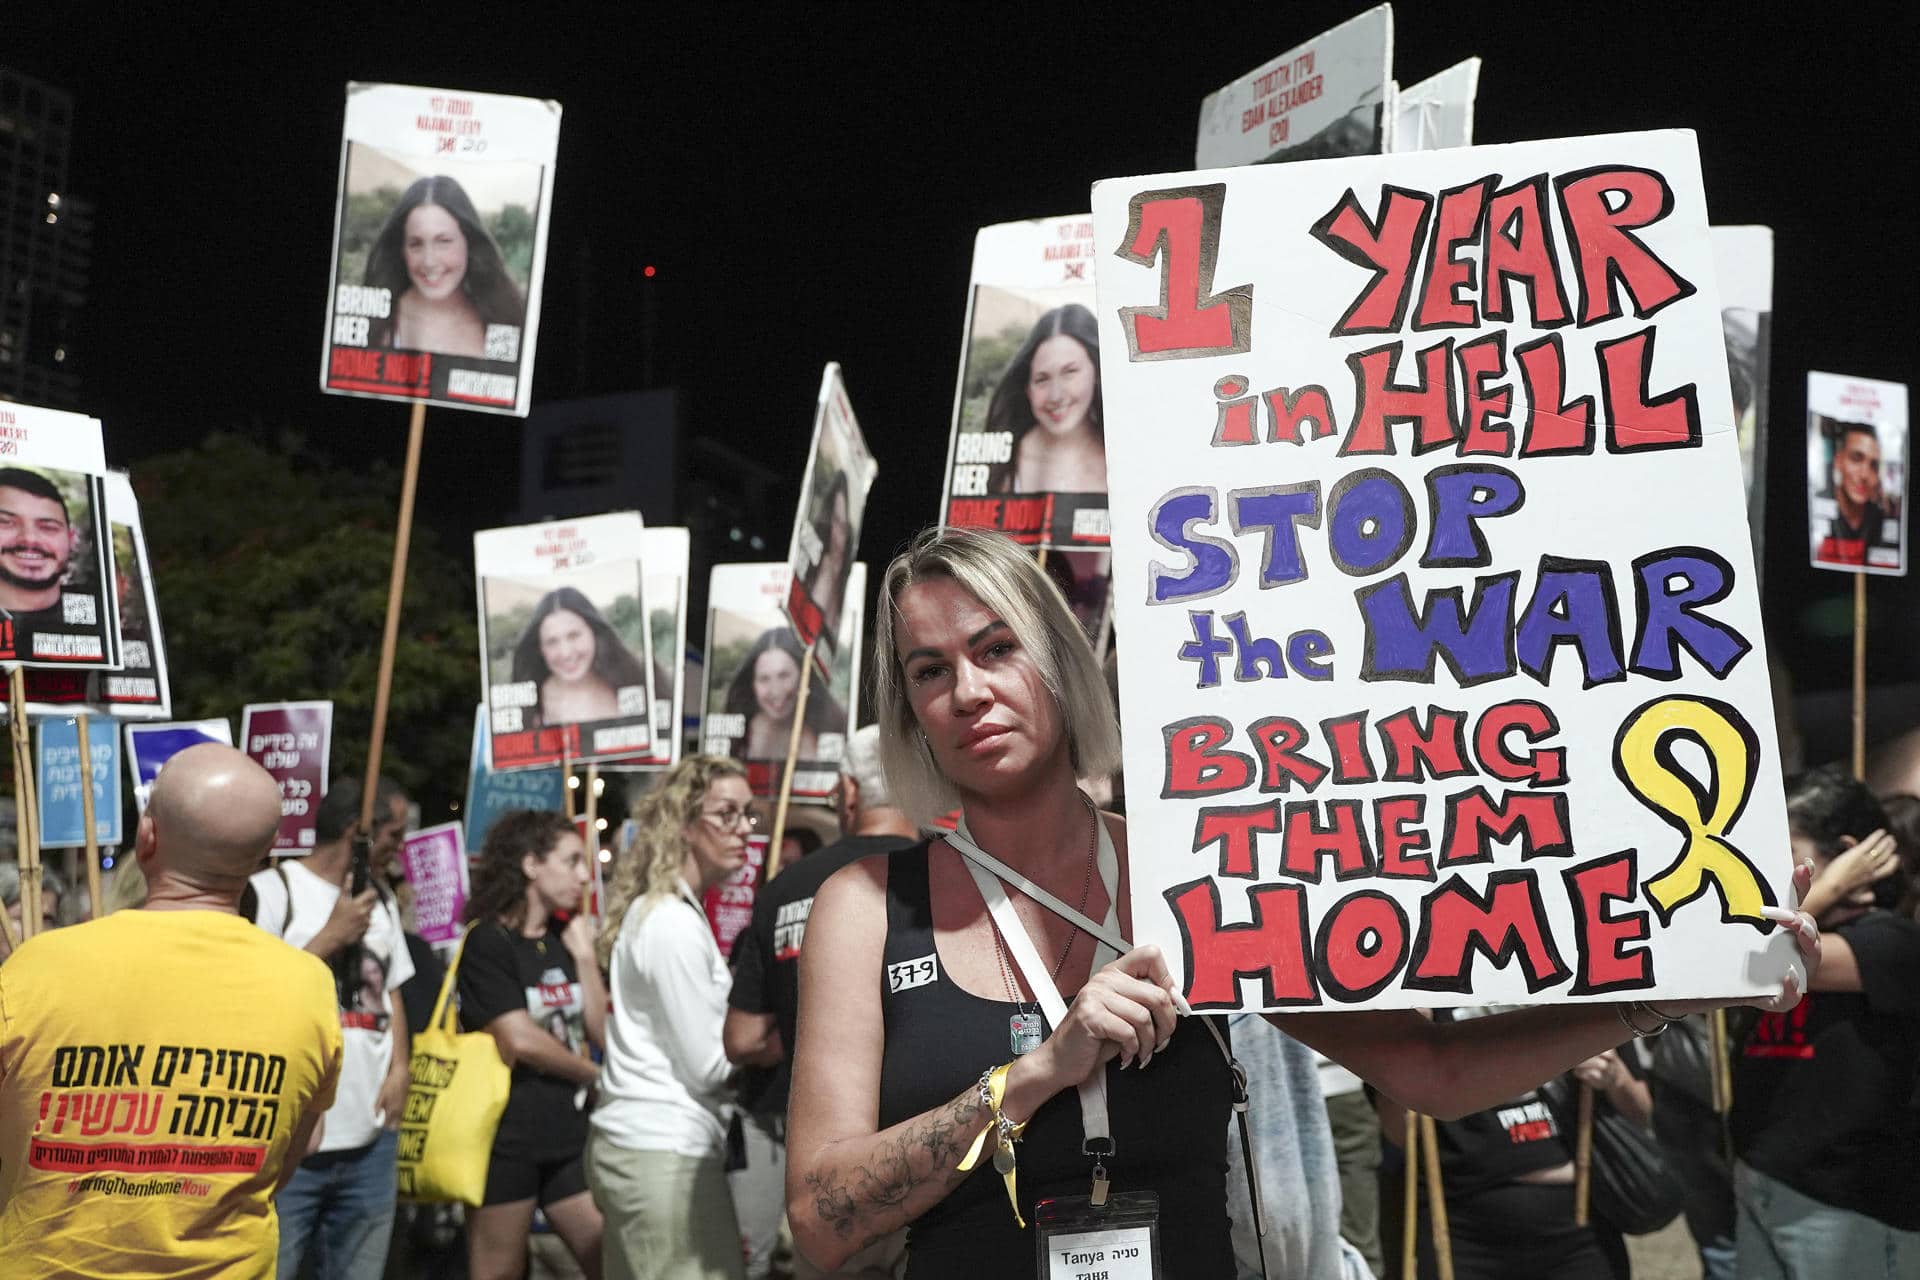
{"x": 1049, "y": 398}
{"x": 827, "y": 580}
{"x": 764, "y": 691}
{"x": 445, "y": 273}
{"x": 577, "y": 659}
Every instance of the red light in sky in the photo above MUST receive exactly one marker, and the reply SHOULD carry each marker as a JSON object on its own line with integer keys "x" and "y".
{"x": 647, "y": 271}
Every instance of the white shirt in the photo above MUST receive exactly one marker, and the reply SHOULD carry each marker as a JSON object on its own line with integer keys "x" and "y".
{"x": 365, "y": 1031}
{"x": 663, "y": 1083}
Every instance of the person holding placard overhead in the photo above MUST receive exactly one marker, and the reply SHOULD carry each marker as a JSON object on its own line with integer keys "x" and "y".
{"x": 443, "y": 270}
{"x": 1049, "y": 398}
{"x": 952, "y": 1002}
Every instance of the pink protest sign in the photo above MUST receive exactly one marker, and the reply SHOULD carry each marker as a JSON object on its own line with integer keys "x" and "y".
{"x": 290, "y": 741}
{"x": 435, "y": 864}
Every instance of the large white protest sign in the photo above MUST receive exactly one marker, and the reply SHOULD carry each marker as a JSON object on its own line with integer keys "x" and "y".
{"x": 566, "y": 653}
{"x": 1442, "y": 671}
{"x": 1857, "y": 473}
{"x": 439, "y": 245}
{"x": 1437, "y": 112}
{"x": 56, "y": 563}
{"x": 1332, "y": 96}
{"x": 1026, "y": 455}
{"x": 826, "y": 527}
{"x": 753, "y": 681}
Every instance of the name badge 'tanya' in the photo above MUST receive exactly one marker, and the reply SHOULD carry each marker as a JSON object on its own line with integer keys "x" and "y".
{"x": 1077, "y": 1240}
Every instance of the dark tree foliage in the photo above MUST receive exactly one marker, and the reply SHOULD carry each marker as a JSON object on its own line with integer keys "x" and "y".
{"x": 271, "y": 576}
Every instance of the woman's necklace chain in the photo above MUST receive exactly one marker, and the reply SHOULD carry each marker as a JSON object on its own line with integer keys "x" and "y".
{"x": 1073, "y": 928}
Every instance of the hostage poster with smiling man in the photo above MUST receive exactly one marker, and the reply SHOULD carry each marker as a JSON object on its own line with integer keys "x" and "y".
{"x": 57, "y": 597}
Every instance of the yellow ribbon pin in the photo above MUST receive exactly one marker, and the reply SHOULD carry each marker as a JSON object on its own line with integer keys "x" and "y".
{"x": 1643, "y": 759}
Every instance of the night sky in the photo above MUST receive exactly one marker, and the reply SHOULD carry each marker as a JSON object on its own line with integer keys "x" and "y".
{"x": 808, "y": 185}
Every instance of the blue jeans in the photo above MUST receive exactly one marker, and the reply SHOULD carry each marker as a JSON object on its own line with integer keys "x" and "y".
{"x": 1783, "y": 1235}
{"x": 344, "y": 1199}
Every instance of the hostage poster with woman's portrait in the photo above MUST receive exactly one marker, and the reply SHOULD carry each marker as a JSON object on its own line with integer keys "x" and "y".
{"x": 1027, "y": 455}
{"x": 439, "y": 244}
{"x": 753, "y": 674}
{"x": 826, "y": 527}
{"x": 566, "y": 654}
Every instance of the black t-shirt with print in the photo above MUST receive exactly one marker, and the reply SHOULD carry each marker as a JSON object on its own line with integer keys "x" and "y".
{"x": 501, "y": 971}
{"x": 1492, "y": 1147}
{"x": 1826, "y": 1098}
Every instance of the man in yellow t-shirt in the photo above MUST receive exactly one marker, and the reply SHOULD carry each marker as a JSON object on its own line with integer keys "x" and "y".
{"x": 162, "y": 1070}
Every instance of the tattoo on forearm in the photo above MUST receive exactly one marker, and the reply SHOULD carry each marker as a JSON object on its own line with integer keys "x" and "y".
{"x": 831, "y": 1201}
{"x": 925, "y": 1152}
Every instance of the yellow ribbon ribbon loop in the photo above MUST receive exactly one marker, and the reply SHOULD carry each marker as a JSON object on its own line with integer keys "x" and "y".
{"x": 999, "y": 1134}
{"x": 1643, "y": 758}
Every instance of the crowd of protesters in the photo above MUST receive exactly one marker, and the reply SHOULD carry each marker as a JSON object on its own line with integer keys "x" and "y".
{"x": 675, "y": 1114}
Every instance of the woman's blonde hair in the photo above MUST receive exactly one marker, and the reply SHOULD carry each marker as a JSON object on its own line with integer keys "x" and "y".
{"x": 650, "y": 867}
{"x": 1009, "y": 584}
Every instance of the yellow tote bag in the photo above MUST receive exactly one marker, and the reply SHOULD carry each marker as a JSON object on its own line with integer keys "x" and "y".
{"x": 458, "y": 1089}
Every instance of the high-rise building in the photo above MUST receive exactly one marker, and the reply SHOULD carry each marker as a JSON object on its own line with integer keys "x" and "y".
{"x": 46, "y": 246}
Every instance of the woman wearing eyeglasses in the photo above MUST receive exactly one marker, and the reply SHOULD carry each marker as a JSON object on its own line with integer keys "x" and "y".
{"x": 655, "y": 1156}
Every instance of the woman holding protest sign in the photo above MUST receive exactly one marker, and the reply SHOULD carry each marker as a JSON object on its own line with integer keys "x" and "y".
{"x": 655, "y": 1158}
{"x": 1049, "y": 399}
{"x": 997, "y": 1001}
{"x": 534, "y": 985}
{"x": 765, "y": 691}
{"x": 445, "y": 274}
{"x": 577, "y": 659}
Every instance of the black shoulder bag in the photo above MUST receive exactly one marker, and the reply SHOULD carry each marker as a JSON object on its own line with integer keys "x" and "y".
{"x": 1632, "y": 1188}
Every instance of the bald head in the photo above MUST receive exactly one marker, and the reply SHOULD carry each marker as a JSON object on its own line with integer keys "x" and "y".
{"x": 212, "y": 816}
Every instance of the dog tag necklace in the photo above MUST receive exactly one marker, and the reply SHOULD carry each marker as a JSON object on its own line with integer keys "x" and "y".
{"x": 1023, "y": 1026}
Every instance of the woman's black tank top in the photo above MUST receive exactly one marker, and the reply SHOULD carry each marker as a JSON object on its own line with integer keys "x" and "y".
{"x": 1169, "y": 1121}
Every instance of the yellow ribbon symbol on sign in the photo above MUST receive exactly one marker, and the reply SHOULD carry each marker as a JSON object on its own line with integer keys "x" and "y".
{"x": 1643, "y": 758}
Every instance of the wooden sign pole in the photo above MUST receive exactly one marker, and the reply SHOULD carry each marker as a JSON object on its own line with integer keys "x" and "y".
{"x": 566, "y": 783}
{"x": 26, "y": 829}
{"x": 20, "y": 842}
{"x": 1436, "y": 1199}
{"x": 92, "y": 850}
{"x": 592, "y": 807}
{"x": 1717, "y": 1061}
{"x": 786, "y": 774}
{"x": 1583, "y": 1157}
{"x": 1860, "y": 675}
{"x": 396, "y": 587}
{"x": 1410, "y": 1214}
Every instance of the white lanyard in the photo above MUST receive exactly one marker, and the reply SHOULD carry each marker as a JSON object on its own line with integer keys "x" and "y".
{"x": 988, "y": 871}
